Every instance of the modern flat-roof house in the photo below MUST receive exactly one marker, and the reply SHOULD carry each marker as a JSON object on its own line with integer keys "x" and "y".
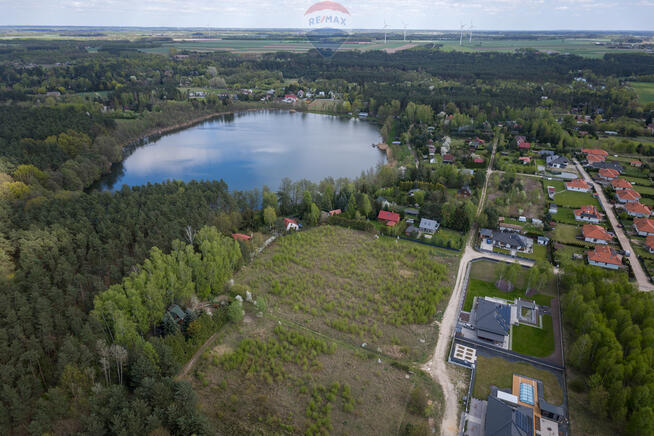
{"x": 577, "y": 185}
{"x": 508, "y": 240}
{"x": 291, "y": 224}
{"x": 492, "y": 320}
{"x": 556, "y": 161}
{"x": 604, "y": 256}
{"x": 649, "y": 243}
{"x": 595, "y": 234}
{"x": 588, "y": 213}
{"x": 390, "y": 218}
{"x": 628, "y": 196}
{"x": 644, "y": 226}
{"x": 620, "y": 184}
{"x": 429, "y": 226}
{"x": 608, "y": 174}
{"x": 638, "y": 210}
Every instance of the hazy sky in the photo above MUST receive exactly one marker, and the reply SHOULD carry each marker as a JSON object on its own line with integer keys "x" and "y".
{"x": 422, "y": 14}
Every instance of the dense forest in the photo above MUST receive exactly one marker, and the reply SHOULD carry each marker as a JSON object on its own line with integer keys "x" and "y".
{"x": 71, "y": 256}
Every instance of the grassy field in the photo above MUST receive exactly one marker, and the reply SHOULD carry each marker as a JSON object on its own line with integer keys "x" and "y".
{"x": 486, "y": 271}
{"x": 499, "y": 372}
{"x": 565, "y": 215}
{"x": 302, "y": 366}
{"x": 534, "y": 341}
{"x": 639, "y": 181}
{"x": 574, "y": 199}
{"x": 567, "y": 234}
{"x": 645, "y": 91}
{"x": 479, "y": 288}
{"x": 644, "y": 190}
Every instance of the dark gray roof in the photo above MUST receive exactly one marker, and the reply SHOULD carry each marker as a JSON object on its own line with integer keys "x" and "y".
{"x": 411, "y": 211}
{"x": 493, "y": 317}
{"x": 486, "y": 233}
{"x": 511, "y": 238}
{"x": 560, "y": 160}
{"x": 505, "y": 420}
{"x": 428, "y": 224}
{"x": 612, "y": 165}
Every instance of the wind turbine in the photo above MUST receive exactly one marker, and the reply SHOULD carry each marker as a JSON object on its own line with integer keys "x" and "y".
{"x": 385, "y": 27}
{"x": 404, "y": 29}
{"x": 463, "y": 27}
{"x": 471, "y": 27}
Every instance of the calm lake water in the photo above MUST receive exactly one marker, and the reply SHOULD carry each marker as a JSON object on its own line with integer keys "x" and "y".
{"x": 253, "y": 149}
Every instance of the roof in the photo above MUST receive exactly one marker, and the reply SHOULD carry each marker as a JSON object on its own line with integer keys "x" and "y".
{"x": 524, "y": 144}
{"x": 628, "y": 195}
{"x": 635, "y": 163}
{"x": 608, "y": 173}
{"x": 448, "y": 157}
{"x": 411, "y": 211}
{"x": 594, "y": 158}
{"x": 505, "y": 420}
{"x": 649, "y": 241}
{"x": 493, "y": 317}
{"x": 577, "y": 183}
{"x": 638, "y": 208}
{"x": 620, "y": 183}
{"x": 241, "y": 237}
{"x": 478, "y": 160}
{"x": 176, "y": 312}
{"x": 595, "y": 151}
{"x": 388, "y": 216}
{"x": 605, "y": 254}
{"x": 334, "y": 212}
{"x": 588, "y": 211}
{"x": 511, "y": 238}
{"x": 644, "y": 225}
{"x": 555, "y": 159}
{"x": 288, "y": 221}
{"x": 525, "y": 158}
{"x": 429, "y": 224}
{"x": 595, "y": 232}
{"x": 601, "y": 164}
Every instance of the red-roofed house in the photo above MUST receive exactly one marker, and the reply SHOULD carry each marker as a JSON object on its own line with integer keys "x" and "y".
{"x": 448, "y": 158}
{"x": 577, "y": 185}
{"x": 604, "y": 256}
{"x": 588, "y": 213}
{"x": 390, "y": 218}
{"x": 594, "y": 158}
{"x": 291, "y": 224}
{"x": 649, "y": 242}
{"x": 290, "y": 98}
{"x": 526, "y": 160}
{"x": 636, "y": 163}
{"x": 595, "y": 151}
{"x": 524, "y": 146}
{"x": 637, "y": 209}
{"x": 628, "y": 196}
{"x": 619, "y": 184}
{"x": 608, "y": 174}
{"x": 595, "y": 234}
{"x": 241, "y": 237}
{"x": 644, "y": 226}
{"x": 334, "y": 212}
{"x": 478, "y": 160}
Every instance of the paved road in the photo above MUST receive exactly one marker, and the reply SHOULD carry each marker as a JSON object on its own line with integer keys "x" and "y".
{"x": 641, "y": 277}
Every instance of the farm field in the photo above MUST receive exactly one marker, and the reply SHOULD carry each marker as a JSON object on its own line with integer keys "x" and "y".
{"x": 328, "y": 291}
{"x": 645, "y": 91}
{"x": 499, "y": 372}
{"x": 534, "y": 341}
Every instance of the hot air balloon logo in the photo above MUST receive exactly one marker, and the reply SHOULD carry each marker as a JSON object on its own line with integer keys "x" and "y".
{"x": 327, "y": 26}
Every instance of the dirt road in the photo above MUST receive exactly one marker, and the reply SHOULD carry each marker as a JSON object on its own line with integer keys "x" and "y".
{"x": 187, "y": 367}
{"x": 641, "y": 277}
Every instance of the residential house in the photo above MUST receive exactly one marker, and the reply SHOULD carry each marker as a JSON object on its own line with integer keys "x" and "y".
{"x": 432, "y": 149}
{"x": 637, "y": 209}
{"x": 636, "y": 163}
{"x": 608, "y": 174}
{"x": 507, "y": 418}
{"x": 411, "y": 212}
{"x": 546, "y": 153}
{"x": 595, "y": 234}
{"x": 649, "y": 243}
{"x": 476, "y": 143}
{"x": 383, "y": 203}
{"x": 524, "y": 146}
{"x": 554, "y": 209}
{"x": 588, "y": 213}
{"x": 505, "y": 227}
{"x": 465, "y": 191}
{"x": 290, "y": 98}
{"x": 628, "y": 196}
{"x": 478, "y": 160}
{"x": 525, "y": 160}
{"x": 411, "y": 230}
{"x": 390, "y": 218}
{"x": 175, "y": 314}
{"x": 335, "y": 212}
{"x": 644, "y": 226}
{"x": 614, "y": 165}
{"x": 300, "y": 93}
{"x": 291, "y": 224}
{"x": 593, "y": 159}
{"x": 543, "y": 240}
{"x": 557, "y": 161}
{"x": 577, "y": 185}
{"x": 508, "y": 240}
{"x": 429, "y": 226}
{"x": 492, "y": 320}
{"x": 241, "y": 237}
{"x": 620, "y": 184}
{"x": 448, "y": 158}
{"x": 605, "y": 257}
{"x": 595, "y": 151}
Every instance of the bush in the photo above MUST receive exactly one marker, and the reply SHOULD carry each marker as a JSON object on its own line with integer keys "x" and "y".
{"x": 235, "y": 311}
{"x": 417, "y": 404}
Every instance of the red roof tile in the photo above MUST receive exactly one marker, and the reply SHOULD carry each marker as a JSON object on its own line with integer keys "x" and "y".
{"x": 588, "y": 211}
{"x": 335, "y": 212}
{"x": 638, "y": 208}
{"x": 241, "y": 237}
{"x": 649, "y": 241}
{"x": 595, "y": 232}
{"x": 387, "y": 216}
{"x": 628, "y": 195}
{"x": 608, "y": 173}
{"x": 577, "y": 183}
{"x": 605, "y": 254}
{"x": 448, "y": 158}
{"x": 645, "y": 225}
{"x": 595, "y": 151}
{"x": 593, "y": 158}
{"x": 621, "y": 183}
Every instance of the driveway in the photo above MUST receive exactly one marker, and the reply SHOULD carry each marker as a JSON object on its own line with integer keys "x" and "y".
{"x": 641, "y": 277}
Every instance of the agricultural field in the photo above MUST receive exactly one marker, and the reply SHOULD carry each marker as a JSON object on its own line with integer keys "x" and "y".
{"x": 645, "y": 91}
{"x": 499, "y": 372}
{"x": 345, "y": 313}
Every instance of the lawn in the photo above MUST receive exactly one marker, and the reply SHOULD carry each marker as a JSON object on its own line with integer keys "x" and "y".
{"x": 480, "y": 288}
{"x": 499, "y": 372}
{"x": 565, "y": 215}
{"x": 645, "y": 91}
{"x": 644, "y": 190}
{"x": 575, "y": 199}
{"x": 567, "y": 234}
{"x": 486, "y": 270}
{"x": 533, "y": 341}
{"x": 639, "y": 181}
{"x": 564, "y": 253}
{"x": 539, "y": 253}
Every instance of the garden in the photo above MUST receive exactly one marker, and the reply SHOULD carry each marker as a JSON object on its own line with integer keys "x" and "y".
{"x": 534, "y": 341}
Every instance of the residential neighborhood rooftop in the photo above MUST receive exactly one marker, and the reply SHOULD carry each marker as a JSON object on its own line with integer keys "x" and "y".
{"x": 604, "y": 254}
{"x": 593, "y": 231}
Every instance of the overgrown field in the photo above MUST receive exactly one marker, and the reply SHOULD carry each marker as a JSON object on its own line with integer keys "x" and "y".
{"x": 356, "y": 287}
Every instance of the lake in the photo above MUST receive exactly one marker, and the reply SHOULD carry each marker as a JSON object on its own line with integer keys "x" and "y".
{"x": 251, "y": 149}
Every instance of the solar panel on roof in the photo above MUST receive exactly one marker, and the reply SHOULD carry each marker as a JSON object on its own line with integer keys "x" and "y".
{"x": 527, "y": 393}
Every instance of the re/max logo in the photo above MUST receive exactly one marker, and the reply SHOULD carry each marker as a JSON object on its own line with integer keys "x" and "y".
{"x": 326, "y": 19}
